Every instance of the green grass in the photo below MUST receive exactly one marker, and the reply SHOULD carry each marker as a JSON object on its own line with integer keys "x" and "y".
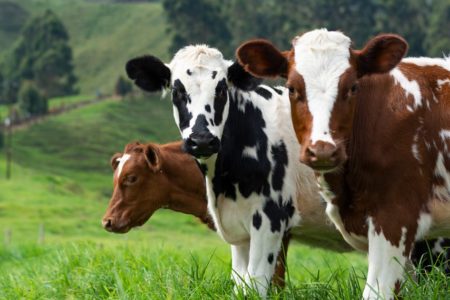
{"x": 104, "y": 35}
{"x": 68, "y": 100}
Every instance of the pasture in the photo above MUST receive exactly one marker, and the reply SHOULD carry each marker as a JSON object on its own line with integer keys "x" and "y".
{"x": 173, "y": 256}
{"x": 52, "y": 243}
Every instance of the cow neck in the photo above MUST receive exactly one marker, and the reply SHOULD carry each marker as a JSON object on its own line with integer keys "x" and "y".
{"x": 187, "y": 189}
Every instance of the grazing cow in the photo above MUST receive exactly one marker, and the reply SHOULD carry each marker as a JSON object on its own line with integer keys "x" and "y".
{"x": 241, "y": 134}
{"x": 377, "y": 129}
{"x": 153, "y": 176}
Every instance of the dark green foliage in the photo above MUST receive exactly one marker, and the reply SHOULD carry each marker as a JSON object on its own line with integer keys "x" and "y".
{"x": 423, "y": 23}
{"x": 31, "y": 102}
{"x": 438, "y": 37}
{"x": 198, "y": 21}
{"x": 12, "y": 19}
{"x": 122, "y": 87}
{"x": 44, "y": 56}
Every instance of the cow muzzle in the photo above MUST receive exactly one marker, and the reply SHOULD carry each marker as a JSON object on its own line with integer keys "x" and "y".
{"x": 321, "y": 156}
{"x": 202, "y": 146}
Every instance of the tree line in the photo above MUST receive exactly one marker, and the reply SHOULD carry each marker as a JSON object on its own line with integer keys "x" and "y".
{"x": 225, "y": 24}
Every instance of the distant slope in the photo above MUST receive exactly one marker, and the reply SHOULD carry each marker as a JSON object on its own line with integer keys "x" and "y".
{"x": 105, "y": 35}
{"x": 12, "y": 18}
{"x": 83, "y": 140}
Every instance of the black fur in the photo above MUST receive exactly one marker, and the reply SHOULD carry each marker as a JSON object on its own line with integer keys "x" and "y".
{"x": 280, "y": 156}
{"x": 242, "y": 79}
{"x": 278, "y": 91}
{"x": 208, "y": 108}
{"x": 179, "y": 99}
{"x": 257, "y": 220}
{"x": 263, "y": 92}
{"x": 232, "y": 168}
{"x": 214, "y": 73}
{"x": 277, "y": 212}
{"x": 149, "y": 73}
{"x": 270, "y": 258}
{"x": 220, "y": 99}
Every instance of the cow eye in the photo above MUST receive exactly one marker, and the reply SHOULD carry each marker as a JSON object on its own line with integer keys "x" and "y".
{"x": 130, "y": 179}
{"x": 291, "y": 90}
{"x": 354, "y": 88}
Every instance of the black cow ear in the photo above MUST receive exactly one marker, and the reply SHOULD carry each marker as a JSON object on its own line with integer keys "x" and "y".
{"x": 242, "y": 79}
{"x": 149, "y": 73}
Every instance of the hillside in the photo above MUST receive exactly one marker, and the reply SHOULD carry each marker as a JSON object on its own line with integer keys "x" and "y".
{"x": 103, "y": 36}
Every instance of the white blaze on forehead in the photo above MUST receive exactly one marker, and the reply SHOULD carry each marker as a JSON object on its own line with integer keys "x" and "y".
{"x": 321, "y": 57}
{"x": 122, "y": 160}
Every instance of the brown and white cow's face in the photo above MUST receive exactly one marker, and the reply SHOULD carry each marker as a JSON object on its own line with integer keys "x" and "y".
{"x": 139, "y": 188}
{"x": 322, "y": 73}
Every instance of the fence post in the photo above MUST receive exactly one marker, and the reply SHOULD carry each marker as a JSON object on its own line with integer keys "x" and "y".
{"x": 8, "y": 234}
{"x": 41, "y": 234}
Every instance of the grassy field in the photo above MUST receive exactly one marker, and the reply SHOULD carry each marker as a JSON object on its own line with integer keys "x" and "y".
{"x": 103, "y": 36}
{"x": 61, "y": 185}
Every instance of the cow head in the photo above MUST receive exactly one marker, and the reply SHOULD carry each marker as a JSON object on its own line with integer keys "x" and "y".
{"x": 322, "y": 72}
{"x": 139, "y": 187}
{"x": 200, "y": 81}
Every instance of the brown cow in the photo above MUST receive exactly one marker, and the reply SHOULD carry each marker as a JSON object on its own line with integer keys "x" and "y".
{"x": 151, "y": 176}
{"x": 378, "y": 131}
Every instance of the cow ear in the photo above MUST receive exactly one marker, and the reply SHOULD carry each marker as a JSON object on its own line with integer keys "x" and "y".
{"x": 115, "y": 160}
{"x": 153, "y": 157}
{"x": 262, "y": 59}
{"x": 242, "y": 79}
{"x": 149, "y": 73}
{"x": 381, "y": 54}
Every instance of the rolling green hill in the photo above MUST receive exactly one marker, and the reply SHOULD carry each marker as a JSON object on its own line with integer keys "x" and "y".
{"x": 103, "y": 35}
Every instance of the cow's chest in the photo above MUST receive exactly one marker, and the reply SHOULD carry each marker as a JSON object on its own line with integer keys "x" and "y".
{"x": 232, "y": 216}
{"x": 357, "y": 241}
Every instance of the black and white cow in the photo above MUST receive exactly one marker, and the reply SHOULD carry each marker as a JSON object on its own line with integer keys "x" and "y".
{"x": 242, "y": 136}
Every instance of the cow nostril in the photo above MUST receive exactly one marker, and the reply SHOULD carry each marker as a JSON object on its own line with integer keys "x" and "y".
{"x": 107, "y": 224}
{"x": 310, "y": 152}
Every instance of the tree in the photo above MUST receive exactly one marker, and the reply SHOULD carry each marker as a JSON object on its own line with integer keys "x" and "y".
{"x": 43, "y": 55}
{"x": 122, "y": 87}
{"x": 197, "y": 21}
{"x": 438, "y": 35}
{"x": 30, "y": 101}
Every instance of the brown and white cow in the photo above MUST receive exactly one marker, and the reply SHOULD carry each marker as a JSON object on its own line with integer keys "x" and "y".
{"x": 377, "y": 129}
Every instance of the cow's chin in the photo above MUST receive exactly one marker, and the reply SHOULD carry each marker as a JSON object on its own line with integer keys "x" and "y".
{"x": 132, "y": 223}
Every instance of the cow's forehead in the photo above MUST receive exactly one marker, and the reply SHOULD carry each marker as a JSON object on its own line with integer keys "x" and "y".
{"x": 321, "y": 57}
{"x": 198, "y": 63}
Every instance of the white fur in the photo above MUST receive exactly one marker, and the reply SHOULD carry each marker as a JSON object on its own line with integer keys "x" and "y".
{"x": 250, "y": 152}
{"x": 428, "y": 61}
{"x": 423, "y": 225}
{"x": 442, "y": 82}
{"x": 321, "y": 57}
{"x": 122, "y": 160}
{"x": 442, "y": 192}
{"x": 386, "y": 264}
{"x": 409, "y": 86}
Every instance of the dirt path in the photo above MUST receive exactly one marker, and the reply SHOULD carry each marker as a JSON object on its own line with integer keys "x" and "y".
{"x": 25, "y": 123}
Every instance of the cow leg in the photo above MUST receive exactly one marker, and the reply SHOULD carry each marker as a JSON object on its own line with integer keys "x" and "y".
{"x": 264, "y": 248}
{"x": 239, "y": 264}
{"x": 278, "y": 279}
{"x": 386, "y": 264}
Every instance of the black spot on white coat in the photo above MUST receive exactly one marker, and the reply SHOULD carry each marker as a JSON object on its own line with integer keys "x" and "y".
{"x": 266, "y": 94}
{"x": 278, "y": 212}
{"x": 220, "y": 100}
{"x": 180, "y": 99}
{"x": 257, "y": 220}
{"x": 270, "y": 258}
{"x": 280, "y": 158}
